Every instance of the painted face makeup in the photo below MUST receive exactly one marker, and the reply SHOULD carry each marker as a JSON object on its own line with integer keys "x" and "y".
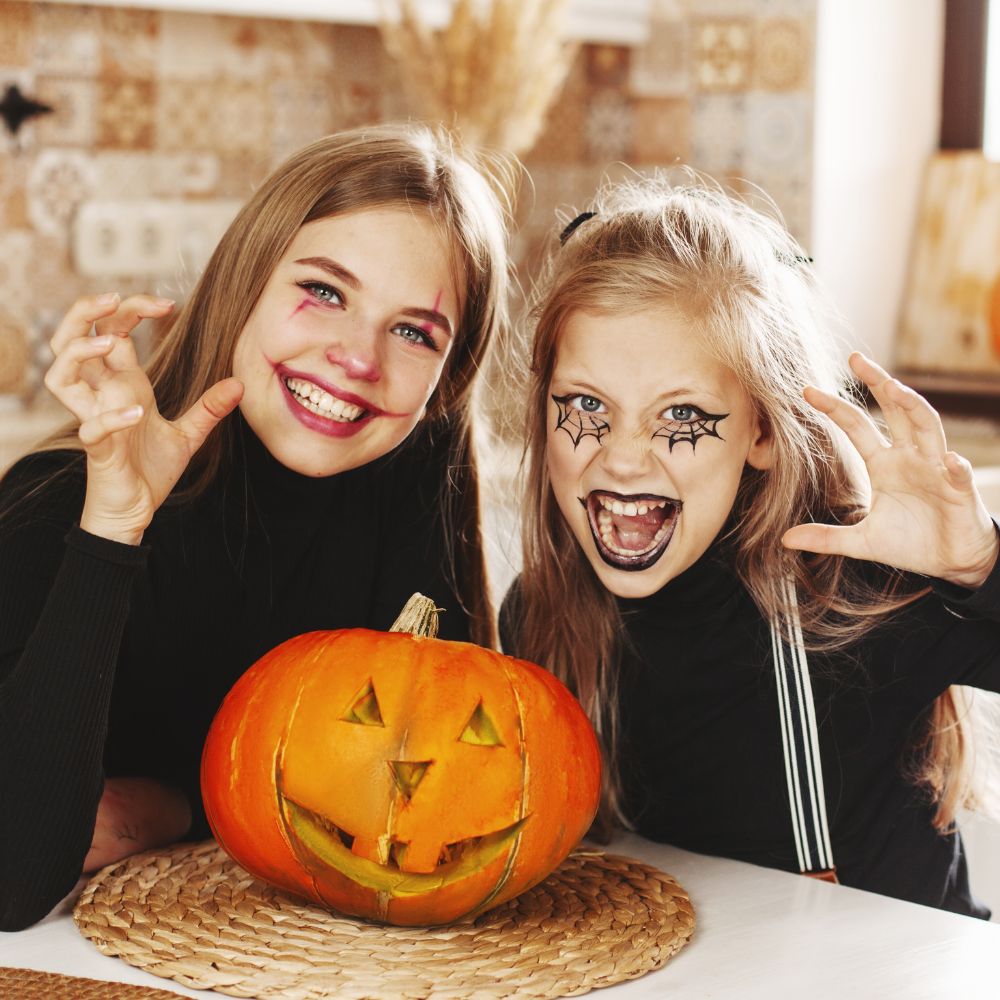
{"x": 648, "y": 438}
{"x": 348, "y": 339}
{"x": 577, "y": 420}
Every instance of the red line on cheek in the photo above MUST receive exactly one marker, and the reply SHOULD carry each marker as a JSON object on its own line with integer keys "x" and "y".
{"x": 304, "y": 304}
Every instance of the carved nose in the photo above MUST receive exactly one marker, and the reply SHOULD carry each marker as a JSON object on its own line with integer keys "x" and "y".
{"x": 408, "y": 774}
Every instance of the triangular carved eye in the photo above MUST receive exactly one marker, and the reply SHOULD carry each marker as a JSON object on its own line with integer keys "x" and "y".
{"x": 480, "y": 729}
{"x": 364, "y": 709}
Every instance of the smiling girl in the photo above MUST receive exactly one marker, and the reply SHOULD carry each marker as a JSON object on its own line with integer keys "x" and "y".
{"x": 297, "y": 456}
{"x": 760, "y": 597}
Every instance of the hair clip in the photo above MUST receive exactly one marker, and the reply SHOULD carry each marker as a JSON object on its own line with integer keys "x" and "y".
{"x": 574, "y": 225}
{"x": 791, "y": 260}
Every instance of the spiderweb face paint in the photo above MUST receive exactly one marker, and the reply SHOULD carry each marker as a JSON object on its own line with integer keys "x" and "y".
{"x": 700, "y": 425}
{"x": 578, "y": 423}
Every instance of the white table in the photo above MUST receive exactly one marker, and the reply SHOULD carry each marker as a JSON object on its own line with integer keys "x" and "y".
{"x": 760, "y": 935}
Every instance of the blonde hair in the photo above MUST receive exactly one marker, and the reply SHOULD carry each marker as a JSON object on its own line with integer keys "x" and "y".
{"x": 387, "y": 165}
{"x": 736, "y": 272}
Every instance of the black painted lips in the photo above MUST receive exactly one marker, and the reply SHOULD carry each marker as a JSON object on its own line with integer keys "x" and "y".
{"x": 641, "y": 561}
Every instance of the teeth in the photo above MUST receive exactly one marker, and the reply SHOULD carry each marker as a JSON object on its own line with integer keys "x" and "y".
{"x": 605, "y": 524}
{"x": 630, "y": 509}
{"x": 317, "y": 401}
{"x": 617, "y": 550}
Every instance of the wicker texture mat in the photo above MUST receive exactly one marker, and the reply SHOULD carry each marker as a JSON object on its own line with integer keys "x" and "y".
{"x": 26, "y": 984}
{"x": 193, "y": 915}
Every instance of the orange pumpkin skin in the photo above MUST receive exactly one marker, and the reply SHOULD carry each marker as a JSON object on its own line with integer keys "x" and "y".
{"x": 406, "y": 744}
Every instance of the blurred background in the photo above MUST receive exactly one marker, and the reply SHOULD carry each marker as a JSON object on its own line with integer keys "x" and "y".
{"x": 130, "y": 134}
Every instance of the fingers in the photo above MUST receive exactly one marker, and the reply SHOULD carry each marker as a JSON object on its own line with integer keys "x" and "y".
{"x": 959, "y": 471}
{"x": 851, "y": 419}
{"x": 827, "y": 539}
{"x": 109, "y": 313}
{"x": 98, "y": 429}
{"x": 909, "y": 416}
{"x": 217, "y": 402}
{"x": 880, "y": 382}
{"x": 132, "y": 312}
{"x": 81, "y": 317}
{"x": 64, "y": 380}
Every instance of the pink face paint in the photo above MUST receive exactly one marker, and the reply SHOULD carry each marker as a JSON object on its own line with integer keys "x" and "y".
{"x": 428, "y": 326}
{"x": 304, "y": 304}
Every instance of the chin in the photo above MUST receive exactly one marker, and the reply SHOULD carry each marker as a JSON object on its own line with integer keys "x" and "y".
{"x": 630, "y": 585}
{"x": 308, "y": 460}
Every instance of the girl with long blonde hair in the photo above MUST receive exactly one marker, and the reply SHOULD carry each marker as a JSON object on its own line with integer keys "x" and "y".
{"x": 296, "y": 456}
{"x": 762, "y": 599}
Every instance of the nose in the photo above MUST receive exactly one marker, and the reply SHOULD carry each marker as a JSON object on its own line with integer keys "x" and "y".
{"x": 626, "y": 457}
{"x": 356, "y": 352}
{"x": 407, "y": 774}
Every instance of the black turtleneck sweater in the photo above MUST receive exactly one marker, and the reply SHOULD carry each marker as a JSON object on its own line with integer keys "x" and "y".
{"x": 114, "y": 658}
{"x": 701, "y": 753}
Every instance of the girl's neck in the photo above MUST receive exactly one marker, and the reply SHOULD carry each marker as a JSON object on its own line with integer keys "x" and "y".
{"x": 271, "y": 481}
{"x": 699, "y": 592}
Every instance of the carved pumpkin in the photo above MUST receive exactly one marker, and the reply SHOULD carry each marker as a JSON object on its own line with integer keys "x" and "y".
{"x": 397, "y": 776}
{"x": 994, "y": 317}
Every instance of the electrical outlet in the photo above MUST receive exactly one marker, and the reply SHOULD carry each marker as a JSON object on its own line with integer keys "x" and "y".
{"x": 148, "y": 238}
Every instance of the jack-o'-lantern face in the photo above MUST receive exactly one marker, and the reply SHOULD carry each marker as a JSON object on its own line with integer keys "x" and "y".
{"x": 397, "y": 777}
{"x": 428, "y": 789}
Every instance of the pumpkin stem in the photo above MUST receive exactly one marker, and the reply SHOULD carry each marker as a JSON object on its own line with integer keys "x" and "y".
{"x": 419, "y": 617}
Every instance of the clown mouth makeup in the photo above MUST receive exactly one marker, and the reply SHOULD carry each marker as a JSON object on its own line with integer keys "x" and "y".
{"x": 320, "y": 402}
{"x": 631, "y": 532}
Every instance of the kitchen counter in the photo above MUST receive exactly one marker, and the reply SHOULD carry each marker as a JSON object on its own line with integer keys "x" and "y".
{"x": 760, "y": 935}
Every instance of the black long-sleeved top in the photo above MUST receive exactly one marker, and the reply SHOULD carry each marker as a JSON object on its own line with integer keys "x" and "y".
{"x": 114, "y": 658}
{"x": 701, "y": 755}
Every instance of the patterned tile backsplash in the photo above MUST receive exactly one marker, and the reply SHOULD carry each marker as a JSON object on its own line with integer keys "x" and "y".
{"x": 170, "y": 105}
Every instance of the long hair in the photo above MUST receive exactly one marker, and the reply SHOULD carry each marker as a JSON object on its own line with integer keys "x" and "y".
{"x": 735, "y": 272}
{"x": 371, "y": 167}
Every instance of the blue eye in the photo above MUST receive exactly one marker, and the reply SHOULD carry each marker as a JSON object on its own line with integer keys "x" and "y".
{"x": 683, "y": 414}
{"x": 322, "y": 292}
{"x": 414, "y": 335}
{"x": 588, "y": 404}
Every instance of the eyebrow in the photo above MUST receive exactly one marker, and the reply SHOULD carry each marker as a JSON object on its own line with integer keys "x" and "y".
{"x": 585, "y": 387}
{"x": 333, "y": 268}
{"x": 339, "y": 271}
{"x": 432, "y": 316}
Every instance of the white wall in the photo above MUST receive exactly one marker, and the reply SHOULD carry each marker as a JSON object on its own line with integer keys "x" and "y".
{"x": 878, "y": 85}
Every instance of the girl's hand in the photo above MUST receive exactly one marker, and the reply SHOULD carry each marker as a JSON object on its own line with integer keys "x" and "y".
{"x": 926, "y": 515}
{"x": 134, "y": 456}
{"x": 134, "y": 815}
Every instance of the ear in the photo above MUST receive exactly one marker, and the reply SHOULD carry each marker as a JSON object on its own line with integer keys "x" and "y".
{"x": 761, "y": 453}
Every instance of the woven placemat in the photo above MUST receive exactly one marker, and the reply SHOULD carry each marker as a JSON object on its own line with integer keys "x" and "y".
{"x": 193, "y": 915}
{"x": 27, "y": 984}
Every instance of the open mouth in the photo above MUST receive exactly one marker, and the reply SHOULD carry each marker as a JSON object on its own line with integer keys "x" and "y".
{"x": 631, "y": 532}
{"x": 332, "y": 845}
{"x": 318, "y": 401}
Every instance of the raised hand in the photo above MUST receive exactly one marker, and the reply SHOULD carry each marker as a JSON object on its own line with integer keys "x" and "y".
{"x": 134, "y": 456}
{"x": 926, "y": 515}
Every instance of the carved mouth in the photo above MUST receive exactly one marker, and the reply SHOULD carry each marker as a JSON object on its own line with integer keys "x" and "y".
{"x": 330, "y": 845}
{"x": 631, "y": 532}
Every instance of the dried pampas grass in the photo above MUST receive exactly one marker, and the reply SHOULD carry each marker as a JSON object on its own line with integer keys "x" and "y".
{"x": 491, "y": 72}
